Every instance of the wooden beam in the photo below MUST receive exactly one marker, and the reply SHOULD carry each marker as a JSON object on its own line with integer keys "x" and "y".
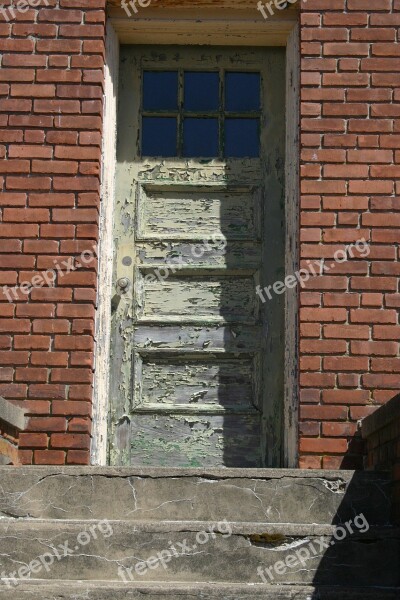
{"x": 200, "y": 22}
{"x": 292, "y": 210}
{"x": 105, "y": 253}
{"x": 205, "y": 32}
{"x": 195, "y": 5}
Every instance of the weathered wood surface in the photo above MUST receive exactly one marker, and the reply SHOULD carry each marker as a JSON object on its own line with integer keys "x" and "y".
{"x": 292, "y": 252}
{"x": 101, "y": 404}
{"x": 197, "y": 361}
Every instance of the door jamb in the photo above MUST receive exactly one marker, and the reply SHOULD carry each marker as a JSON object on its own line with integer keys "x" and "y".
{"x": 101, "y": 405}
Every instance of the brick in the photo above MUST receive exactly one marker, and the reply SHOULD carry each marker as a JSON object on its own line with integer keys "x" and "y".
{"x": 384, "y": 5}
{"x": 33, "y": 440}
{"x": 83, "y": 326}
{"x": 75, "y": 408}
{"x": 371, "y": 299}
{"x": 323, "y": 314}
{"x": 71, "y": 342}
{"x": 31, "y": 374}
{"x": 13, "y": 390}
{"x": 51, "y": 200}
{"x": 371, "y": 315}
{"x": 345, "y": 396}
{"x": 345, "y": 363}
{"x": 346, "y": 49}
{"x": 32, "y": 342}
{"x": 47, "y": 391}
{"x": 80, "y": 392}
{"x": 323, "y": 346}
{"x": 386, "y": 332}
{"x": 71, "y": 375}
{"x": 324, "y": 445}
{"x": 53, "y": 359}
{"x": 323, "y": 380}
{"x": 346, "y": 331}
{"x": 35, "y": 310}
{"x": 339, "y": 429}
{"x": 31, "y": 183}
{"x": 14, "y": 358}
{"x": 55, "y": 46}
{"x": 360, "y": 412}
{"x": 6, "y": 374}
{"x": 26, "y": 215}
{"x": 374, "y": 348}
{"x": 376, "y": 381}
{"x": 79, "y": 425}
{"x": 70, "y": 440}
{"x": 374, "y": 283}
{"x": 49, "y": 457}
{"x": 385, "y": 365}
{"x": 56, "y": 106}
{"x": 78, "y": 457}
{"x": 48, "y": 424}
{"x": 51, "y": 326}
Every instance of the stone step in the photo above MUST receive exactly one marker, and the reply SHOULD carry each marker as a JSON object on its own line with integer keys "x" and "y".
{"x": 243, "y": 495}
{"x": 72, "y": 590}
{"x": 200, "y": 552}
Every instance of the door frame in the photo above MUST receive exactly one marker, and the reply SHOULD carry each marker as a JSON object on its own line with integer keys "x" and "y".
{"x": 214, "y": 25}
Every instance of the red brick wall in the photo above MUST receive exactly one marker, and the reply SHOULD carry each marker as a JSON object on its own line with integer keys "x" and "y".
{"x": 51, "y": 82}
{"x": 350, "y": 160}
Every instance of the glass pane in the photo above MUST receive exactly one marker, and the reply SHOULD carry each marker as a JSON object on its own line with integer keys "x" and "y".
{"x": 201, "y": 91}
{"x": 242, "y": 91}
{"x": 200, "y": 137}
{"x": 160, "y": 90}
{"x": 242, "y": 138}
{"x": 159, "y": 136}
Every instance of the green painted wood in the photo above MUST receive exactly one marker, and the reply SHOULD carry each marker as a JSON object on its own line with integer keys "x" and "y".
{"x": 197, "y": 359}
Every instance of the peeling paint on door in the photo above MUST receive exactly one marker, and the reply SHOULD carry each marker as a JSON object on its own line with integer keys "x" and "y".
{"x": 197, "y": 361}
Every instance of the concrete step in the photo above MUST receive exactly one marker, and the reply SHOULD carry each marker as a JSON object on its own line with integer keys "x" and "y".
{"x": 72, "y": 590}
{"x": 200, "y": 552}
{"x": 242, "y": 495}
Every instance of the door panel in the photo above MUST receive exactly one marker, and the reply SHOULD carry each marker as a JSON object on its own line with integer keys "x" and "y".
{"x": 197, "y": 359}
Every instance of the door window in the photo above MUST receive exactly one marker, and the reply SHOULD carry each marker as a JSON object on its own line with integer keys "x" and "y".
{"x": 201, "y": 114}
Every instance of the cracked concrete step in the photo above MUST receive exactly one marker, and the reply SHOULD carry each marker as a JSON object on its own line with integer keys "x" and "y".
{"x": 262, "y": 495}
{"x": 72, "y": 590}
{"x": 233, "y": 553}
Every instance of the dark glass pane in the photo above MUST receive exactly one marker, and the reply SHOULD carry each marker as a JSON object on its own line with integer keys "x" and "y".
{"x": 160, "y": 90}
{"x": 201, "y": 91}
{"x": 159, "y": 136}
{"x": 242, "y": 91}
{"x": 242, "y": 138}
{"x": 200, "y": 137}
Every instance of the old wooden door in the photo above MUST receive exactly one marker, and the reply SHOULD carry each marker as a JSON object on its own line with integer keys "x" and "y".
{"x": 197, "y": 357}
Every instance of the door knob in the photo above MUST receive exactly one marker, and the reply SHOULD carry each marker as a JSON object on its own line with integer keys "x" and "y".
{"x": 123, "y": 283}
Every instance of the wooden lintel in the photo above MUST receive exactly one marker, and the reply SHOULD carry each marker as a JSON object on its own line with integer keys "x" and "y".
{"x": 216, "y": 26}
{"x": 195, "y": 5}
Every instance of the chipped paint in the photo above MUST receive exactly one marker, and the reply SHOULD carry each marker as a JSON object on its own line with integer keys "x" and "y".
{"x": 197, "y": 363}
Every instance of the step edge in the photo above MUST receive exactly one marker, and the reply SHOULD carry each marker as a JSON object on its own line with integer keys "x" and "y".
{"x": 237, "y": 527}
{"x": 212, "y": 473}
